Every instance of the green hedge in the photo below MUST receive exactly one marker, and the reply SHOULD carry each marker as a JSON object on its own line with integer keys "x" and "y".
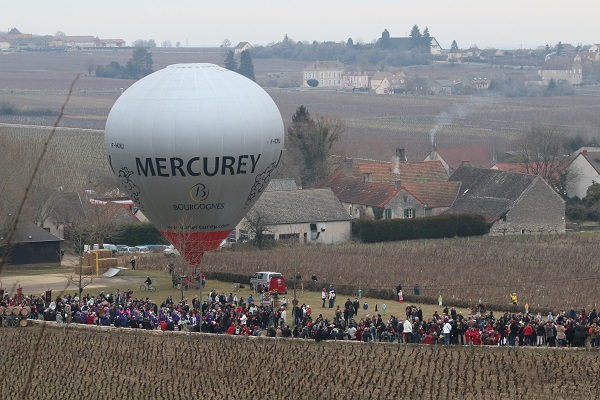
{"x": 441, "y": 226}
{"x": 137, "y": 234}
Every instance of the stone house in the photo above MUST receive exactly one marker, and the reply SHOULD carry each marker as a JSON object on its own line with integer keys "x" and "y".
{"x": 392, "y": 190}
{"x": 562, "y": 69}
{"x": 327, "y": 73}
{"x": 297, "y": 215}
{"x": 513, "y": 203}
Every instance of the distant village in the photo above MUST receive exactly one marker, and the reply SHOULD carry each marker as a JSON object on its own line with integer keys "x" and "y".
{"x": 561, "y": 64}
{"x": 468, "y": 179}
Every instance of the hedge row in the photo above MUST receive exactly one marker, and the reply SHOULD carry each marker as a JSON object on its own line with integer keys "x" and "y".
{"x": 441, "y": 226}
{"x": 137, "y": 234}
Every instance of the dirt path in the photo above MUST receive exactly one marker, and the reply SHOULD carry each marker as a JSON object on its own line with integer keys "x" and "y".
{"x": 41, "y": 283}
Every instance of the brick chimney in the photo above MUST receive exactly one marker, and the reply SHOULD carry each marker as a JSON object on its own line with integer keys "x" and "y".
{"x": 584, "y": 152}
{"x": 465, "y": 163}
{"x": 348, "y": 166}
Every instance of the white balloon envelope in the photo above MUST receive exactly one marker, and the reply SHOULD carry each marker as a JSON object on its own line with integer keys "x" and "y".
{"x": 194, "y": 145}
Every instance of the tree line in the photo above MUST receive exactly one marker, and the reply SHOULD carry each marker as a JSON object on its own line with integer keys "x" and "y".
{"x": 137, "y": 67}
{"x": 382, "y": 52}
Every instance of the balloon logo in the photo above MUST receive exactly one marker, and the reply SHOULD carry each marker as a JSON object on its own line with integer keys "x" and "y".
{"x": 194, "y": 146}
{"x": 199, "y": 192}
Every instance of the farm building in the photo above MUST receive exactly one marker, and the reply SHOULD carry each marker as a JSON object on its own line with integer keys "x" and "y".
{"x": 398, "y": 189}
{"x": 298, "y": 215}
{"x": 33, "y": 245}
{"x": 514, "y": 203}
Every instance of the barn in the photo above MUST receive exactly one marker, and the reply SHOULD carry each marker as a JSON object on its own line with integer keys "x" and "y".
{"x": 32, "y": 245}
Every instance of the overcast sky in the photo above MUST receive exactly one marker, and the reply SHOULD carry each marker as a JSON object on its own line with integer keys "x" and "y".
{"x": 505, "y": 24}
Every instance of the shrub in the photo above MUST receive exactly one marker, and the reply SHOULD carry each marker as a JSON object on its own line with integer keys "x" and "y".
{"x": 442, "y": 226}
{"x": 136, "y": 234}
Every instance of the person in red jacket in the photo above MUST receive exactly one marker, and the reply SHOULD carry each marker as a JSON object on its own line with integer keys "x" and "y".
{"x": 528, "y": 334}
{"x": 231, "y": 329}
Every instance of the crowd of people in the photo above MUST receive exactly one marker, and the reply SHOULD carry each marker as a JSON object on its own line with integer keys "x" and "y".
{"x": 229, "y": 314}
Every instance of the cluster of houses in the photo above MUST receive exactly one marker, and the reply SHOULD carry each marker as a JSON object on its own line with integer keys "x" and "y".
{"x": 16, "y": 41}
{"x": 448, "y": 180}
{"x": 566, "y": 66}
{"x": 335, "y": 75}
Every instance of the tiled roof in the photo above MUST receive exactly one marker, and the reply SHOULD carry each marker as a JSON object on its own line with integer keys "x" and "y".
{"x": 488, "y": 192}
{"x": 425, "y": 180}
{"x": 300, "y": 206}
{"x": 477, "y": 156}
{"x": 559, "y": 64}
{"x": 325, "y": 65}
{"x": 354, "y": 190}
{"x": 438, "y": 194}
{"x": 281, "y": 184}
{"x": 405, "y": 172}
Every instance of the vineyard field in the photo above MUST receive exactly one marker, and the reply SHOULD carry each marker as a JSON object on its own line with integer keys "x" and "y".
{"x": 73, "y": 362}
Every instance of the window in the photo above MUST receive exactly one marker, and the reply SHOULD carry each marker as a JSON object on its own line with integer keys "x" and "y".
{"x": 388, "y": 213}
{"x": 289, "y": 237}
{"x": 231, "y": 238}
{"x": 409, "y": 213}
{"x": 243, "y": 235}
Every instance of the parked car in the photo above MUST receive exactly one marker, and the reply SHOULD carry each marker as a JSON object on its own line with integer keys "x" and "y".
{"x": 263, "y": 278}
{"x": 155, "y": 248}
{"x": 142, "y": 249}
{"x": 121, "y": 249}
{"x": 171, "y": 251}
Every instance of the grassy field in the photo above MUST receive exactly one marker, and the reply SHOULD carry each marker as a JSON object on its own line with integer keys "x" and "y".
{"x": 67, "y": 362}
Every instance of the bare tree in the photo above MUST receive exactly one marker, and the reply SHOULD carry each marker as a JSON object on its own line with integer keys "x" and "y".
{"x": 73, "y": 272}
{"x": 259, "y": 229}
{"x": 544, "y": 151}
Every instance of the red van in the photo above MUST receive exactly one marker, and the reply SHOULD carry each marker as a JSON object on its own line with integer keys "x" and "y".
{"x": 277, "y": 285}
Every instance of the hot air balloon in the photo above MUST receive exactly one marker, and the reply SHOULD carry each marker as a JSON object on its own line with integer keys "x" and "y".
{"x": 194, "y": 146}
